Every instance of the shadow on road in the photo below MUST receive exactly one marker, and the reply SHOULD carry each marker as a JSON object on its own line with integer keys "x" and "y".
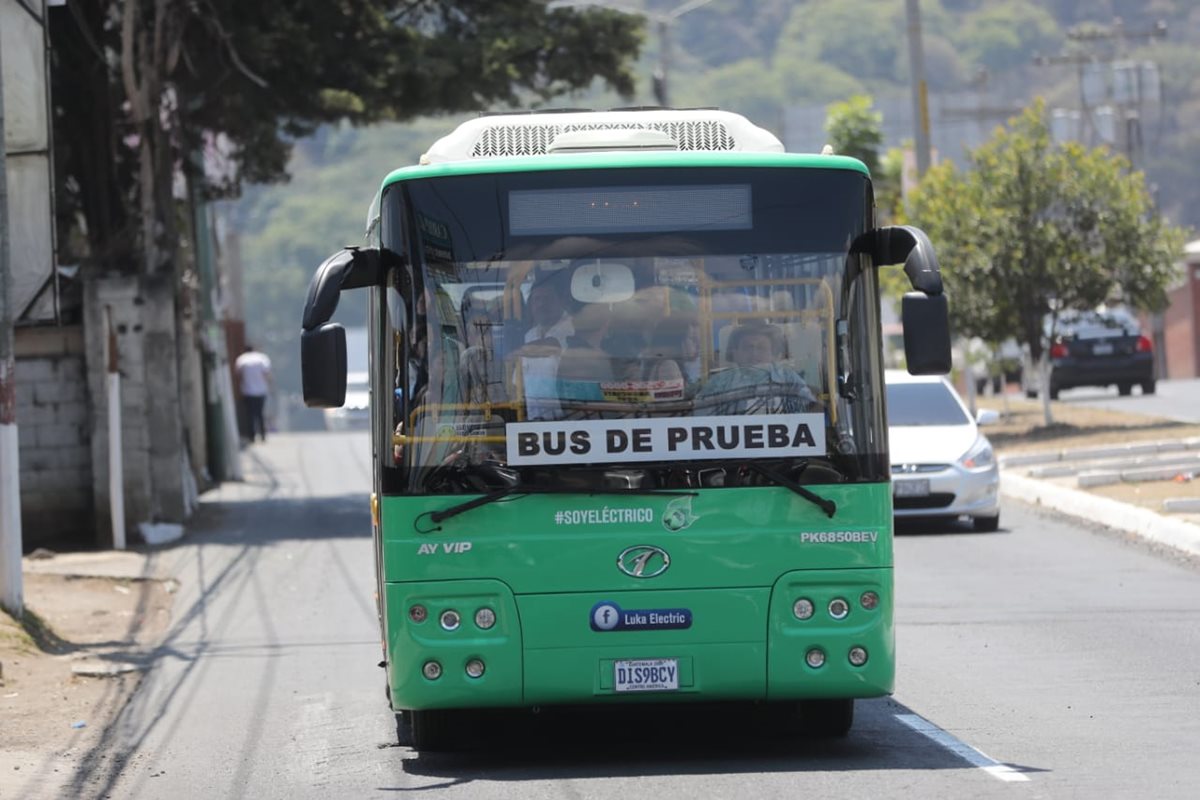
{"x": 939, "y": 526}
{"x": 681, "y": 740}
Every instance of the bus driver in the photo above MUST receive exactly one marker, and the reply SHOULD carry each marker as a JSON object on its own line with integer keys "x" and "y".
{"x": 756, "y": 383}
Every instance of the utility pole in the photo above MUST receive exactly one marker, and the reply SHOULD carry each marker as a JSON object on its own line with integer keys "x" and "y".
{"x": 920, "y": 92}
{"x": 11, "y": 590}
{"x": 1116, "y": 117}
{"x": 662, "y": 91}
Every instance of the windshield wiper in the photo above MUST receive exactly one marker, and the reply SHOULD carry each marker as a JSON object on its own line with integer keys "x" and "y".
{"x": 523, "y": 489}
{"x": 826, "y": 505}
{"x": 453, "y": 511}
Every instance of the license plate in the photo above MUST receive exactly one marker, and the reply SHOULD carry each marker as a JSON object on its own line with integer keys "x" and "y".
{"x": 919, "y": 488}
{"x": 646, "y": 675}
{"x": 1102, "y": 349}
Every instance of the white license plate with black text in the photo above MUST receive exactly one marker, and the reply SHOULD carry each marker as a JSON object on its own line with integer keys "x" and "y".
{"x": 646, "y": 675}
{"x": 917, "y": 488}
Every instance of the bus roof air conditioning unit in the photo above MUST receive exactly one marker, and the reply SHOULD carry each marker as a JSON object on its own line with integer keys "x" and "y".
{"x": 538, "y": 134}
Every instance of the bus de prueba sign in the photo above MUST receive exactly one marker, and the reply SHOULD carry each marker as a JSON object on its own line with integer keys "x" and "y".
{"x": 665, "y": 439}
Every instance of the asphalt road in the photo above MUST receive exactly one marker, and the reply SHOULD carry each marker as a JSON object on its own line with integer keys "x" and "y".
{"x": 1179, "y": 399}
{"x": 1069, "y": 657}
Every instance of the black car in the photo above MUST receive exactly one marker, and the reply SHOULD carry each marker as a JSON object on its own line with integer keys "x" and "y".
{"x": 1100, "y": 348}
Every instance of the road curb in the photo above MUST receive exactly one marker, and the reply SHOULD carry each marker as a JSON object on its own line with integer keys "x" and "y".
{"x": 1139, "y": 522}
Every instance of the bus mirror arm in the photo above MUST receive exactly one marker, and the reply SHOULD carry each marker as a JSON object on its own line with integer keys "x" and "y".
{"x": 348, "y": 268}
{"x": 896, "y": 244}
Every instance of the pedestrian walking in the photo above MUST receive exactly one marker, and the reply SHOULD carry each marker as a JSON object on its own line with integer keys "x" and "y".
{"x": 254, "y": 380}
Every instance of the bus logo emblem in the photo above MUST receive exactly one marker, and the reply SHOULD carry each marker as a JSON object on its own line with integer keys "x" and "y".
{"x": 643, "y": 561}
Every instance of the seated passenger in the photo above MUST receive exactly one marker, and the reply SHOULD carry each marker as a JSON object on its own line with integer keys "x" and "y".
{"x": 677, "y": 340}
{"x": 633, "y": 323}
{"x": 585, "y": 364}
{"x": 756, "y": 384}
{"x": 543, "y": 346}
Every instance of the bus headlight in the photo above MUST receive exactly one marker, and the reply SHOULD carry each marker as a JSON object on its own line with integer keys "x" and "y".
{"x": 485, "y": 618}
{"x": 858, "y": 656}
{"x": 869, "y": 600}
{"x": 475, "y": 668}
{"x": 838, "y": 608}
{"x": 802, "y": 608}
{"x": 815, "y": 658}
{"x": 418, "y": 613}
{"x": 432, "y": 670}
{"x": 450, "y": 620}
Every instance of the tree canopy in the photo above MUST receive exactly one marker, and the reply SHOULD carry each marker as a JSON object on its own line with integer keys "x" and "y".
{"x": 1034, "y": 228}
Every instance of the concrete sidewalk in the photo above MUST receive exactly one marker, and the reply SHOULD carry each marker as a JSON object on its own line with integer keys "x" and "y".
{"x": 161, "y": 562}
{"x": 1027, "y": 478}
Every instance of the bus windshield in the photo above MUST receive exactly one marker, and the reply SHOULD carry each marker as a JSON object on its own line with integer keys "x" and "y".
{"x": 649, "y": 335}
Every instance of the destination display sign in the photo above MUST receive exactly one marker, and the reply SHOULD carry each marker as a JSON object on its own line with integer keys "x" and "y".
{"x": 665, "y": 439}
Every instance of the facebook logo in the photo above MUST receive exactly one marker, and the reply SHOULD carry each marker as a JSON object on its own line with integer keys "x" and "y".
{"x": 605, "y": 616}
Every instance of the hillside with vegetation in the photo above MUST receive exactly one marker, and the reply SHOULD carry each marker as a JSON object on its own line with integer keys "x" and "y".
{"x": 761, "y": 58}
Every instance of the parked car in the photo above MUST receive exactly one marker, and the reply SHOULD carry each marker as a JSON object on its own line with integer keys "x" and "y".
{"x": 1096, "y": 348}
{"x": 355, "y": 413}
{"x": 942, "y": 465}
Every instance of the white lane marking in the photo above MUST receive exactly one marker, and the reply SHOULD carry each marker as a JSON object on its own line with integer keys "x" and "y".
{"x": 961, "y": 749}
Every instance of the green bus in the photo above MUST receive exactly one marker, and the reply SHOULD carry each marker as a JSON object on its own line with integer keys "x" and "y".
{"x": 627, "y": 417}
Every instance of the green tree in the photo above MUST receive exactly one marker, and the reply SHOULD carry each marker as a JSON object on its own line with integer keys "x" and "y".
{"x": 856, "y": 129}
{"x": 1034, "y": 228}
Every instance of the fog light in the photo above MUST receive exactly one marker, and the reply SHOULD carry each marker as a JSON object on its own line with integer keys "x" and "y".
{"x": 485, "y": 618}
{"x": 450, "y": 620}
{"x": 838, "y": 608}
{"x": 815, "y": 658}
{"x": 417, "y": 613}
{"x": 802, "y": 608}
{"x": 869, "y": 600}
{"x": 432, "y": 670}
{"x": 858, "y": 656}
{"x": 474, "y": 668}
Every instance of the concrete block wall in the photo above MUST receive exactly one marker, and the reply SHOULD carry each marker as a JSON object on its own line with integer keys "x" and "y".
{"x": 53, "y": 423}
{"x": 121, "y": 297}
{"x": 156, "y": 416}
{"x": 62, "y": 414}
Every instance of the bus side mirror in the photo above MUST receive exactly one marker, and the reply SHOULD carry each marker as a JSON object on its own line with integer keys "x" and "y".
{"x": 926, "y": 321}
{"x": 323, "y": 365}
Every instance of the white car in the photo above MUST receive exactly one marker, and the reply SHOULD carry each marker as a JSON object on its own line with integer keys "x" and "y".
{"x": 942, "y": 465}
{"x": 355, "y": 413}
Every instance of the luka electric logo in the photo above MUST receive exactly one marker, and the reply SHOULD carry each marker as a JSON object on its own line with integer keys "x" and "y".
{"x": 608, "y": 616}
